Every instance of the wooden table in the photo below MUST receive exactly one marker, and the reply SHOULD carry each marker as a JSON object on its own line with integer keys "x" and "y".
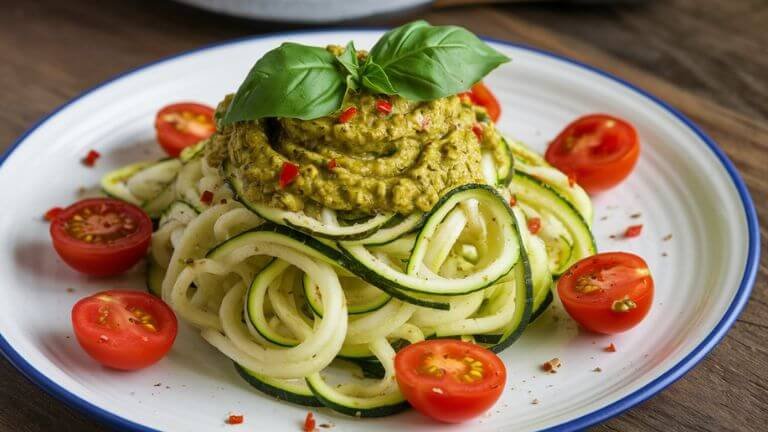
{"x": 708, "y": 58}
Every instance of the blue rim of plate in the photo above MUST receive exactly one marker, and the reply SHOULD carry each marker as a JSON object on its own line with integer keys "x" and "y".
{"x": 667, "y": 378}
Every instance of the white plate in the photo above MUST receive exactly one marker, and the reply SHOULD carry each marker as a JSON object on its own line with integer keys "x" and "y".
{"x": 683, "y": 185}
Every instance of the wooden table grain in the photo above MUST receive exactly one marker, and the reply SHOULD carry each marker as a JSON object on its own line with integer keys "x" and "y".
{"x": 708, "y": 58}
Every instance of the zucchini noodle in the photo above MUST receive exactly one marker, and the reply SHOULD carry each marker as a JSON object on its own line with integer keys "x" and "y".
{"x": 289, "y": 297}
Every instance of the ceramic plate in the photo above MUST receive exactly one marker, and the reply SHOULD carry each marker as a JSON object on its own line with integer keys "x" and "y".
{"x": 699, "y": 238}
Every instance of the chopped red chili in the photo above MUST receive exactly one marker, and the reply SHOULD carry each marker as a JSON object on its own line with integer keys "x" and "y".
{"x": 610, "y": 348}
{"x": 309, "y": 422}
{"x": 512, "y": 201}
{"x": 383, "y": 106}
{"x": 206, "y": 197}
{"x": 90, "y": 159}
{"x": 633, "y": 231}
{"x": 235, "y": 419}
{"x": 347, "y": 115}
{"x": 332, "y": 164}
{"x": 534, "y": 225}
{"x": 478, "y": 130}
{"x": 288, "y": 174}
{"x": 52, "y": 213}
{"x": 465, "y": 97}
{"x": 571, "y": 180}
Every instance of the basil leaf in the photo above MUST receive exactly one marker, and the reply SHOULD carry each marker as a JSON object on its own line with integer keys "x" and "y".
{"x": 349, "y": 60}
{"x": 424, "y": 62}
{"x": 293, "y": 80}
{"x": 375, "y": 79}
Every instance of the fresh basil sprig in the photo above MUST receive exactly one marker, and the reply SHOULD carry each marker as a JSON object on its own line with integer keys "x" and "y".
{"x": 416, "y": 61}
{"x": 293, "y": 80}
{"x": 425, "y": 62}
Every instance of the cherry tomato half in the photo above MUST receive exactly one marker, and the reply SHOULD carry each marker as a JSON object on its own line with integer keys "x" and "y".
{"x": 450, "y": 380}
{"x": 124, "y": 330}
{"x": 482, "y": 95}
{"x": 101, "y": 236}
{"x": 184, "y": 124}
{"x": 607, "y": 293}
{"x": 598, "y": 151}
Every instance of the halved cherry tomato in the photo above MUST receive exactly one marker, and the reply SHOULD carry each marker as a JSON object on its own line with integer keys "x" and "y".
{"x": 598, "y": 151}
{"x": 607, "y": 293}
{"x": 450, "y": 380}
{"x": 101, "y": 236}
{"x": 123, "y": 329}
{"x": 482, "y": 95}
{"x": 183, "y": 124}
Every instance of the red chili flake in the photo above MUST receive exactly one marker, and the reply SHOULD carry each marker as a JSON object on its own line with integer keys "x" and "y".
{"x": 332, "y": 164}
{"x": 206, "y": 197}
{"x": 288, "y": 174}
{"x": 309, "y": 422}
{"x": 534, "y": 225}
{"x": 90, "y": 159}
{"x": 571, "y": 180}
{"x": 383, "y": 106}
{"x": 633, "y": 231}
{"x": 478, "y": 130}
{"x": 52, "y": 213}
{"x": 512, "y": 201}
{"x": 347, "y": 114}
{"x": 235, "y": 419}
{"x": 610, "y": 348}
{"x": 465, "y": 97}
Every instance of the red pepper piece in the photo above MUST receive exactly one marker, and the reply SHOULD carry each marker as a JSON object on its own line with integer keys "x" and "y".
{"x": 534, "y": 225}
{"x": 309, "y": 422}
{"x": 90, "y": 159}
{"x": 633, "y": 231}
{"x": 288, "y": 174}
{"x": 383, "y": 106}
{"x": 347, "y": 115}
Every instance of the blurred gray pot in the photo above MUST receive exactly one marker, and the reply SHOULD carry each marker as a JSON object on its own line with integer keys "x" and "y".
{"x": 307, "y": 11}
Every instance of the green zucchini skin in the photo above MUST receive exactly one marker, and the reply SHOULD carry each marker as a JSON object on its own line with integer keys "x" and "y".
{"x": 543, "y": 306}
{"x": 374, "y": 411}
{"x": 527, "y": 189}
{"x": 505, "y": 177}
{"x": 304, "y": 241}
{"x": 524, "y": 287}
{"x": 276, "y": 392}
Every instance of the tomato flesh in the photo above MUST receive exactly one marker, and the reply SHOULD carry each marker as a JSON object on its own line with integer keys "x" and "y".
{"x": 184, "y": 124}
{"x": 124, "y": 330}
{"x": 101, "y": 236}
{"x": 482, "y": 95}
{"x": 607, "y": 293}
{"x": 598, "y": 151}
{"x": 450, "y": 380}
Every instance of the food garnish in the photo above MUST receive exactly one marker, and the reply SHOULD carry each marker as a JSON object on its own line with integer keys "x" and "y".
{"x": 125, "y": 330}
{"x": 610, "y": 292}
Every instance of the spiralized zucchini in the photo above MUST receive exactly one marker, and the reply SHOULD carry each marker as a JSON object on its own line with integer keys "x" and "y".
{"x": 291, "y": 299}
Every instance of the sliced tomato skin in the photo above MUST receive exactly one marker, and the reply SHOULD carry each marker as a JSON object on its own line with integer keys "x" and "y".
{"x": 172, "y": 140}
{"x": 101, "y": 259}
{"x": 123, "y": 344}
{"x": 483, "y": 96}
{"x": 598, "y": 151}
{"x": 594, "y": 311}
{"x": 444, "y": 398}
